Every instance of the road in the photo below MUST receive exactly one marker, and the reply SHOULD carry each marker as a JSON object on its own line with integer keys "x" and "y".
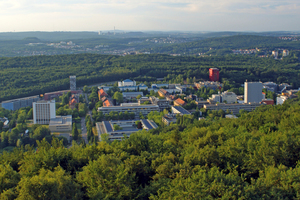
{"x": 84, "y": 131}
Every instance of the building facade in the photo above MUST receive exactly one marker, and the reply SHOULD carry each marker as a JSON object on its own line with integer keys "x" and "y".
{"x": 213, "y": 74}
{"x": 136, "y": 109}
{"x": 72, "y": 83}
{"x": 43, "y": 111}
{"x": 61, "y": 124}
{"x": 253, "y": 92}
{"x": 233, "y": 108}
{"x": 16, "y": 104}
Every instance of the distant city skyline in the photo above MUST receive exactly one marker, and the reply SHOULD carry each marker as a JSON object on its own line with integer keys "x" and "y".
{"x": 163, "y": 15}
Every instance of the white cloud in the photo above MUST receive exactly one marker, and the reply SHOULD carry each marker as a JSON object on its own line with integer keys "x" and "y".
{"x": 151, "y": 14}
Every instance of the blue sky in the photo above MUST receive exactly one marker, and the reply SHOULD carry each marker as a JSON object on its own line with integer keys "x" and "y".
{"x": 164, "y": 15}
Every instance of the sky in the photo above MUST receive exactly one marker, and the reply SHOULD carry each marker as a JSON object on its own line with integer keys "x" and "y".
{"x": 159, "y": 15}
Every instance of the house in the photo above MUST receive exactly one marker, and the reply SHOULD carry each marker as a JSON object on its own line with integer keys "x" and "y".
{"x": 102, "y": 93}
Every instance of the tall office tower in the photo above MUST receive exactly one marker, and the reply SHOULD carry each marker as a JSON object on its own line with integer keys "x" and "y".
{"x": 72, "y": 83}
{"x": 213, "y": 74}
{"x": 253, "y": 92}
{"x": 43, "y": 111}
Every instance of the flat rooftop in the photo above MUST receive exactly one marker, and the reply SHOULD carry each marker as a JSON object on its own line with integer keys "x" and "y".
{"x": 61, "y": 120}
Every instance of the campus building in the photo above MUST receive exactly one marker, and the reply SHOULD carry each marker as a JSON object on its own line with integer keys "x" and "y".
{"x": 61, "y": 124}
{"x": 253, "y": 92}
{"x": 16, "y": 104}
{"x": 233, "y": 108}
{"x": 125, "y": 127}
{"x": 43, "y": 111}
{"x": 213, "y": 74}
{"x": 134, "y": 107}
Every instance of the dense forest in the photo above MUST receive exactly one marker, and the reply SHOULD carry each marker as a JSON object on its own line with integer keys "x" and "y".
{"x": 253, "y": 157}
{"x": 26, "y": 76}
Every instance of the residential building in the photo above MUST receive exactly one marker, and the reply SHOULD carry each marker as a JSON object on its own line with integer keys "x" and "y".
{"x": 102, "y": 93}
{"x": 252, "y": 92}
{"x": 136, "y": 109}
{"x": 107, "y": 102}
{"x": 233, "y": 108}
{"x": 16, "y": 104}
{"x": 72, "y": 83}
{"x": 61, "y": 124}
{"x": 285, "y": 53}
{"x": 179, "y": 110}
{"x": 73, "y": 101}
{"x": 179, "y": 102}
{"x": 214, "y": 74}
{"x": 43, "y": 111}
{"x": 275, "y": 54}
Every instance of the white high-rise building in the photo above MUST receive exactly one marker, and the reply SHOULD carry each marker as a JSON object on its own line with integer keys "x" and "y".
{"x": 253, "y": 92}
{"x": 72, "y": 83}
{"x": 43, "y": 111}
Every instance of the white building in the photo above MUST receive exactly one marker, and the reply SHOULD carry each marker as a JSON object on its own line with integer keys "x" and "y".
{"x": 253, "y": 92}
{"x": 280, "y": 100}
{"x": 126, "y": 82}
{"x": 229, "y": 97}
{"x": 275, "y": 54}
{"x": 61, "y": 124}
{"x": 43, "y": 111}
{"x": 285, "y": 53}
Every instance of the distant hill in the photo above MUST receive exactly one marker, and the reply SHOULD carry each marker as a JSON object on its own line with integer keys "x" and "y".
{"x": 230, "y": 42}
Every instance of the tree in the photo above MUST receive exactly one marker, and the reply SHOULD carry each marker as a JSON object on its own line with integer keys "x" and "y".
{"x": 75, "y": 132}
{"x": 49, "y": 185}
{"x": 138, "y": 96}
{"x": 118, "y": 96}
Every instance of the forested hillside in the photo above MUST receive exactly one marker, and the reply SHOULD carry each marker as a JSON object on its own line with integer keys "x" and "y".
{"x": 25, "y": 76}
{"x": 253, "y": 157}
{"x": 228, "y": 43}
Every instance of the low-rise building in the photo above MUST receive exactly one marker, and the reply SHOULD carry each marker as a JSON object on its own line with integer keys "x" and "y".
{"x": 102, "y": 93}
{"x": 125, "y": 127}
{"x": 163, "y": 93}
{"x": 179, "y": 110}
{"x": 280, "y": 100}
{"x": 179, "y": 102}
{"x": 16, "y": 104}
{"x": 233, "y": 108}
{"x": 268, "y": 101}
{"x": 132, "y": 95}
{"x": 169, "y": 118}
{"x": 135, "y": 108}
{"x": 61, "y": 124}
{"x": 228, "y": 97}
{"x": 162, "y": 103}
{"x": 51, "y": 95}
{"x": 208, "y": 84}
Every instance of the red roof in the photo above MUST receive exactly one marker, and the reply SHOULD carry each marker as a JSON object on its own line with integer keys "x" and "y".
{"x": 180, "y": 101}
{"x": 102, "y": 92}
{"x": 106, "y": 103}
